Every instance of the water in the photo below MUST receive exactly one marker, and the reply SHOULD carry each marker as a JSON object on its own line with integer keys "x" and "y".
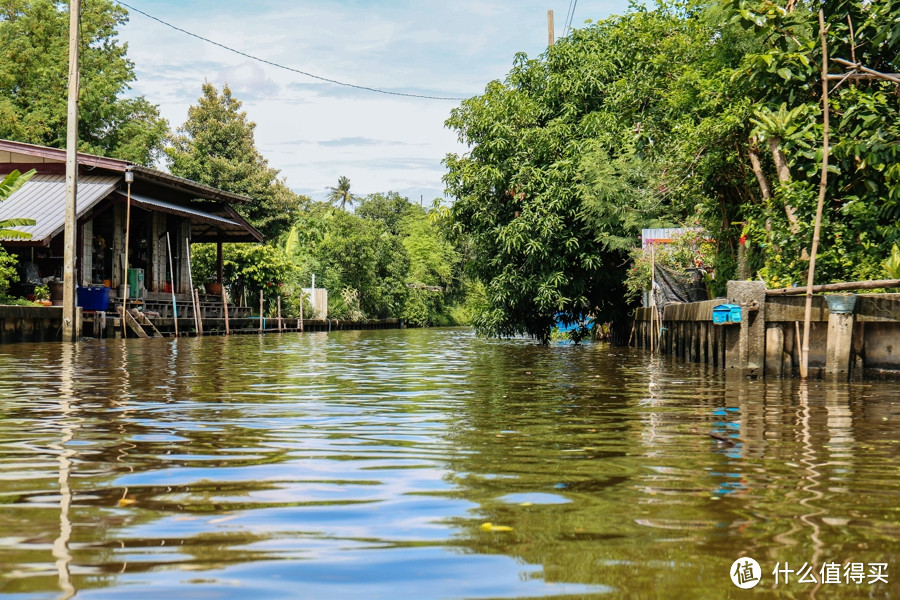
{"x": 430, "y": 464}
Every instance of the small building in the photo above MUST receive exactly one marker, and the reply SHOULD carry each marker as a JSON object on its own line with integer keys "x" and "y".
{"x": 166, "y": 211}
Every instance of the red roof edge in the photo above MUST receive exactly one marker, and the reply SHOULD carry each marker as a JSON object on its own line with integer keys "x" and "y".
{"x": 90, "y": 160}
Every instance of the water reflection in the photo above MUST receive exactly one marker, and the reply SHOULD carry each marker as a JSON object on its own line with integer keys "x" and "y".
{"x": 427, "y": 463}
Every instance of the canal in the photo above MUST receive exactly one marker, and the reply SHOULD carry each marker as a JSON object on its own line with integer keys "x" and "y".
{"x": 428, "y": 463}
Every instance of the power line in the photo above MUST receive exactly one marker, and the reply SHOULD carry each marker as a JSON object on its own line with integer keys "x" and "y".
{"x": 568, "y": 18}
{"x": 572, "y": 16}
{"x": 280, "y": 66}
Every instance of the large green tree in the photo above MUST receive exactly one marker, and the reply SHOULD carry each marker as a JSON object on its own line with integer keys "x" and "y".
{"x": 625, "y": 124}
{"x": 216, "y": 146}
{"x": 34, "y": 76}
{"x": 781, "y": 69}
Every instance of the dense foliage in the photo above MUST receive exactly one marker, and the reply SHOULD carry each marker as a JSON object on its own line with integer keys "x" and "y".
{"x": 389, "y": 258}
{"x": 698, "y": 114}
{"x": 783, "y": 73}
{"x": 34, "y": 39}
{"x": 216, "y": 146}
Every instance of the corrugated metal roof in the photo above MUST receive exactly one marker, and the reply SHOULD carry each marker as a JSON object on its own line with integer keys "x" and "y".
{"x": 183, "y": 211}
{"x": 43, "y": 198}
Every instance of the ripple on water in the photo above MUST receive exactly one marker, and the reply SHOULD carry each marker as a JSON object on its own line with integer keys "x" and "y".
{"x": 425, "y": 464}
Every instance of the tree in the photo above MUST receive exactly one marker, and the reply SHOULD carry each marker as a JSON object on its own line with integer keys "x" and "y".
{"x": 359, "y": 254}
{"x": 625, "y": 124}
{"x": 8, "y": 186}
{"x": 782, "y": 68}
{"x": 34, "y": 75}
{"x": 216, "y": 146}
{"x": 340, "y": 194}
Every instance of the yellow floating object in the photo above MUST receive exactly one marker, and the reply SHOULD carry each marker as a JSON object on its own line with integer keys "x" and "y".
{"x": 492, "y": 527}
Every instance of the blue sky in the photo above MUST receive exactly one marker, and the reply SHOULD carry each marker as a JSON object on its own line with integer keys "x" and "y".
{"x": 314, "y": 131}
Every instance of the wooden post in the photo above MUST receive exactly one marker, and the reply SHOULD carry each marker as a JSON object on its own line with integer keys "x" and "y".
{"x": 260, "y": 311}
{"x": 198, "y": 311}
{"x": 225, "y": 308}
{"x": 69, "y": 324}
{"x": 550, "y": 34}
{"x": 187, "y": 251}
{"x": 823, "y": 181}
{"x": 279, "y": 314}
{"x": 125, "y": 262}
{"x": 301, "y": 311}
{"x": 172, "y": 284}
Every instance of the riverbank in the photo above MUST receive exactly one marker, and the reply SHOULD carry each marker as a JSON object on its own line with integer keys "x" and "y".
{"x": 856, "y": 337}
{"x": 44, "y": 324}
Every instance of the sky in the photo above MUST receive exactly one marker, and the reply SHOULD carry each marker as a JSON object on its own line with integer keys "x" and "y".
{"x": 314, "y": 131}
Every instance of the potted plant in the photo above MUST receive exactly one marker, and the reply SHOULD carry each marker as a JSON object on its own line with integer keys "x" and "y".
{"x": 42, "y": 295}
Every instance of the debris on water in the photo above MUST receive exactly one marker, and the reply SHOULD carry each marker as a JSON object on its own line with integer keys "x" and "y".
{"x": 496, "y": 528}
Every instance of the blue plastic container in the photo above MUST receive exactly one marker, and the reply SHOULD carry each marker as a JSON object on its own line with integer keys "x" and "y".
{"x": 93, "y": 297}
{"x": 726, "y": 314}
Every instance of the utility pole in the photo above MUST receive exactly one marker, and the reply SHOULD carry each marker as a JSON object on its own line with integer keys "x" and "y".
{"x": 70, "y": 331}
{"x": 550, "y": 36}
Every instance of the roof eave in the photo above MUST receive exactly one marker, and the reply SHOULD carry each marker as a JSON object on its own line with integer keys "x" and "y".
{"x": 180, "y": 183}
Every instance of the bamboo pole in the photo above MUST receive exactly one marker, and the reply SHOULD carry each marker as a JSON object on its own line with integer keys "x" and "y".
{"x": 125, "y": 262}
{"x": 199, "y": 315}
{"x": 301, "y": 311}
{"x": 260, "y": 311}
{"x": 187, "y": 249}
{"x": 225, "y": 308}
{"x": 823, "y": 182}
{"x": 837, "y": 287}
{"x": 279, "y": 314}
{"x": 172, "y": 283}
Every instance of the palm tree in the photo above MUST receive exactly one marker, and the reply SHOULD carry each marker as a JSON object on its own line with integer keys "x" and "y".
{"x": 341, "y": 194}
{"x": 8, "y": 186}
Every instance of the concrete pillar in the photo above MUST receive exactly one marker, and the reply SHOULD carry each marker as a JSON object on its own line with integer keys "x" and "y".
{"x": 745, "y": 345}
{"x": 774, "y": 350}
{"x": 838, "y": 346}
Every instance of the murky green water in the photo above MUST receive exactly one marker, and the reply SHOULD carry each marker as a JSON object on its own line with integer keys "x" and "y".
{"x": 430, "y": 464}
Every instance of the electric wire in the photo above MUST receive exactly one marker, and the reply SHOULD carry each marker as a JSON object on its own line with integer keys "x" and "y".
{"x": 284, "y": 67}
{"x": 568, "y": 20}
{"x": 572, "y": 16}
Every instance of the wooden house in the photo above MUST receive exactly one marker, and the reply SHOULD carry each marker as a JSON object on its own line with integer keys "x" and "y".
{"x": 166, "y": 211}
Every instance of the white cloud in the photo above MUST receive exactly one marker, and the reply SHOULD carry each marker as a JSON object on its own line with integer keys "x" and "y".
{"x": 314, "y": 131}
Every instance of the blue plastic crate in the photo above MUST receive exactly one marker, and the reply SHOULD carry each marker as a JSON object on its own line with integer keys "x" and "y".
{"x": 726, "y": 314}
{"x": 93, "y": 297}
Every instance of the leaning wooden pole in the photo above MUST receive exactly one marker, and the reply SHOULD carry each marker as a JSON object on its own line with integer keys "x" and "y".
{"x": 69, "y": 324}
{"x": 172, "y": 284}
{"x": 225, "y": 309}
{"x": 823, "y": 182}
{"x": 125, "y": 261}
{"x": 187, "y": 250}
{"x": 261, "y": 311}
{"x": 199, "y": 312}
{"x": 279, "y": 314}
